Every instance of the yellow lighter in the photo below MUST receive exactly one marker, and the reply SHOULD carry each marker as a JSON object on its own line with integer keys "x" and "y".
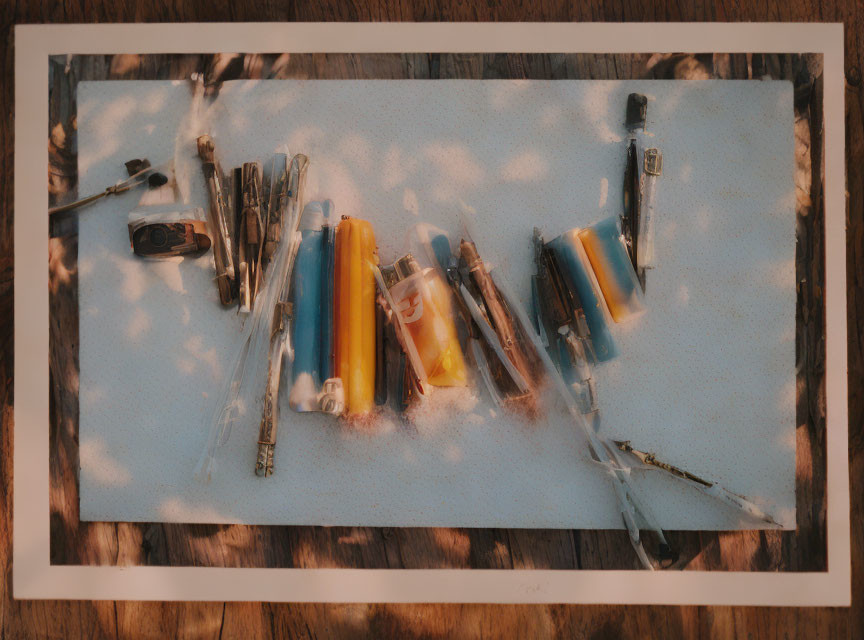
{"x": 423, "y": 301}
{"x": 354, "y": 310}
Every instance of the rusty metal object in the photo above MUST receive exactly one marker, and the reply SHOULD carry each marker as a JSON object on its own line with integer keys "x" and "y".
{"x": 270, "y": 413}
{"x": 516, "y": 346}
{"x": 218, "y": 217}
{"x": 169, "y": 239}
{"x": 250, "y": 233}
{"x": 275, "y": 182}
{"x": 713, "y": 489}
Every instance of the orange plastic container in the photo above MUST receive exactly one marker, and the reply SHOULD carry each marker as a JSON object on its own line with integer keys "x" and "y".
{"x": 354, "y": 310}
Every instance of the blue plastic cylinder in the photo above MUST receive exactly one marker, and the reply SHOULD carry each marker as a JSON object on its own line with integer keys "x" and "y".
{"x": 306, "y": 295}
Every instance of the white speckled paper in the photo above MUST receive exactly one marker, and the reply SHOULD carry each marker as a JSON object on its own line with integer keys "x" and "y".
{"x": 707, "y": 376}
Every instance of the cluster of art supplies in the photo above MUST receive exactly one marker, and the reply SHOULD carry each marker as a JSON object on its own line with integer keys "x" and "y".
{"x": 361, "y": 337}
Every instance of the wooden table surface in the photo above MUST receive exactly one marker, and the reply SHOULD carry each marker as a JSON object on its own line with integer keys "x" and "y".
{"x": 125, "y": 619}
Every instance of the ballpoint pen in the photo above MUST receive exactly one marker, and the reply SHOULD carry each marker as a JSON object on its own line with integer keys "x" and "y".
{"x": 645, "y": 240}
{"x": 640, "y": 186}
{"x": 636, "y": 116}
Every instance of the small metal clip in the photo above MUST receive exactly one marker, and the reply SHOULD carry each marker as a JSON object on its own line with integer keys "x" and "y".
{"x": 332, "y": 397}
{"x": 653, "y": 162}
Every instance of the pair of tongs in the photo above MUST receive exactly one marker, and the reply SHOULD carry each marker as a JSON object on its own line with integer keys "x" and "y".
{"x": 647, "y": 460}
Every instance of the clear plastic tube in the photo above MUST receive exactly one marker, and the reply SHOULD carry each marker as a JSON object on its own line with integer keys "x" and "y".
{"x": 243, "y": 390}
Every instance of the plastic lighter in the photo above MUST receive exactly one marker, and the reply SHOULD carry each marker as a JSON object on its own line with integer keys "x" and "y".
{"x": 578, "y": 275}
{"x": 312, "y": 388}
{"x": 354, "y": 319}
{"x": 615, "y": 274}
{"x": 423, "y": 301}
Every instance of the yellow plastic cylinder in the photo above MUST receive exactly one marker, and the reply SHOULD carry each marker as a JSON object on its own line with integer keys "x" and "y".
{"x": 354, "y": 309}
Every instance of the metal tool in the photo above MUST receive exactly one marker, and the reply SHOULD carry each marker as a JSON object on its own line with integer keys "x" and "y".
{"x": 168, "y": 237}
{"x": 218, "y": 218}
{"x": 277, "y": 304}
{"x": 708, "y": 487}
{"x": 250, "y": 235}
{"x": 140, "y": 174}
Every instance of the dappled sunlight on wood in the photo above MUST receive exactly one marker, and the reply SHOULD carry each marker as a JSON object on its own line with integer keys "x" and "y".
{"x": 305, "y": 555}
{"x": 58, "y": 135}
{"x": 691, "y": 69}
{"x": 358, "y": 535}
{"x": 454, "y": 541}
{"x": 220, "y": 63}
{"x": 124, "y": 64}
{"x": 280, "y": 66}
{"x": 130, "y": 538}
{"x": 60, "y": 271}
{"x": 740, "y": 550}
{"x": 803, "y": 456}
{"x": 62, "y": 165}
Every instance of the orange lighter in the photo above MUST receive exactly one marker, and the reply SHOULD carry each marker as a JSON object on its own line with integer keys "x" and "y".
{"x": 354, "y": 310}
{"x": 423, "y": 301}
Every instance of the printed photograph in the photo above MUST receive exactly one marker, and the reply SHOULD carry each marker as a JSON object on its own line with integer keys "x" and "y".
{"x": 417, "y": 311}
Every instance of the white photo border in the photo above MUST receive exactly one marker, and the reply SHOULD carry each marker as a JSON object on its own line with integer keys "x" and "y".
{"x": 34, "y": 577}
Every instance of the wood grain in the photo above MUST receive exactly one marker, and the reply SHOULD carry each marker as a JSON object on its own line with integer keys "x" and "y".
{"x": 74, "y": 542}
{"x": 450, "y": 547}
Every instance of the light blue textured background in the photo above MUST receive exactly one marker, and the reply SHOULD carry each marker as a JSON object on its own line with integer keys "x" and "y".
{"x": 706, "y": 377}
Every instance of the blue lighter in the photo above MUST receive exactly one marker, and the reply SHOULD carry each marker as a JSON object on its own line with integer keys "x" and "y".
{"x": 312, "y": 387}
{"x": 578, "y": 275}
